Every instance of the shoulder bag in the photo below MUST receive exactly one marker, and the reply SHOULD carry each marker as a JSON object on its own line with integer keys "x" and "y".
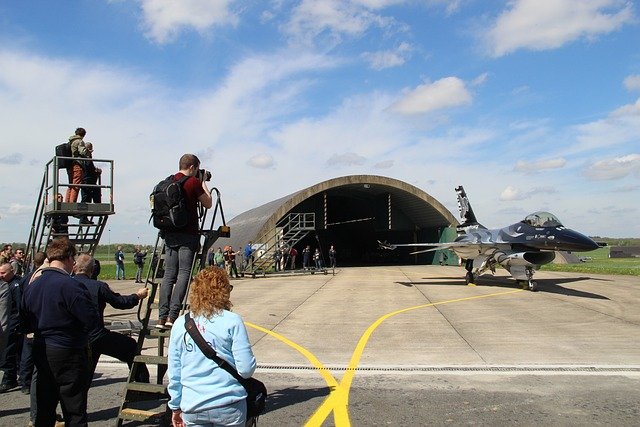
{"x": 256, "y": 390}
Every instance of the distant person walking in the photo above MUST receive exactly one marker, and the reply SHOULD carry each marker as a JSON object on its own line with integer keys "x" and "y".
{"x": 332, "y": 256}
{"x": 248, "y": 255}
{"x": 306, "y": 257}
{"x": 138, "y": 260}
{"x": 293, "y": 253}
{"x": 317, "y": 257}
{"x": 119, "y": 258}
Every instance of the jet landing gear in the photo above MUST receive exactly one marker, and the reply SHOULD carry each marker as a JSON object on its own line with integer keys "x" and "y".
{"x": 469, "y": 278}
{"x": 531, "y": 284}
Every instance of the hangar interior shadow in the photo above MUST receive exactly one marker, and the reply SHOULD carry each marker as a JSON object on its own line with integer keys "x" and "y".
{"x": 353, "y": 218}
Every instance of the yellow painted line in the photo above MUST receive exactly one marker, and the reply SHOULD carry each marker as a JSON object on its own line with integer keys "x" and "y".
{"x": 339, "y": 401}
{"x": 326, "y": 374}
{"x": 335, "y": 391}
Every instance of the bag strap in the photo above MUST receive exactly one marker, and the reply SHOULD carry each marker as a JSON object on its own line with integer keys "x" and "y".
{"x": 208, "y": 351}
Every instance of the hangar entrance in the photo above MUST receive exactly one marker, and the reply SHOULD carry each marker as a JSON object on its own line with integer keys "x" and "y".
{"x": 354, "y": 217}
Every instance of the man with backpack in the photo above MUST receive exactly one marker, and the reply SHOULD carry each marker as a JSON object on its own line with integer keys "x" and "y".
{"x": 75, "y": 170}
{"x": 181, "y": 237}
{"x": 138, "y": 260}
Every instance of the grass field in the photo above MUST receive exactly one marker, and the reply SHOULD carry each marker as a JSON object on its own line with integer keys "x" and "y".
{"x": 108, "y": 266}
{"x": 598, "y": 262}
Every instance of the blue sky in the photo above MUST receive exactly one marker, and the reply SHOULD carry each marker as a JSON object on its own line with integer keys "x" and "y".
{"x": 530, "y": 104}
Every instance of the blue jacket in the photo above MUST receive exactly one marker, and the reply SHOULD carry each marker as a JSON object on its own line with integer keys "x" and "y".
{"x": 101, "y": 294}
{"x": 196, "y": 383}
{"x": 58, "y": 309}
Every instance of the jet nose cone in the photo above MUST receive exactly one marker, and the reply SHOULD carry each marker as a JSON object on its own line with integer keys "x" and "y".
{"x": 579, "y": 242}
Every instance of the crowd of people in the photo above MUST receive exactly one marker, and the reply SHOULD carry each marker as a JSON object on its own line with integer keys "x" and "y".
{"x": 53, "y": 331}
{"x": 283, "y": 258}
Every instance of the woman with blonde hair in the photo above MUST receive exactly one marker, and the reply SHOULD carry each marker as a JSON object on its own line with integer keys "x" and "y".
{"x": 202, "y": 393}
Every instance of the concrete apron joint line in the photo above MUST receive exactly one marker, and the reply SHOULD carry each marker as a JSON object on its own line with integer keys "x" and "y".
{"x": 289, "y": 313}
{"x": 447, "y": 320}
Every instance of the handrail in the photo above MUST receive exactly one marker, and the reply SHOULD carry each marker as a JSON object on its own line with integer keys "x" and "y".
{"x": 300, "y": 223}
{"x": 85, "y": 234}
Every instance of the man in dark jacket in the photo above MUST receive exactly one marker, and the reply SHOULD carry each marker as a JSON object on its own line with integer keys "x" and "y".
{"x": 58, "y": 310}
{"x": 102, "y": 340}
{"x": 14, "y": 343}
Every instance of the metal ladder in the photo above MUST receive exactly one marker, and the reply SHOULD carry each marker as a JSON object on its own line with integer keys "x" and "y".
{"x": 146, "y": 402}
{"x": 288, "y": 231}
{"x": 53, "y": 218}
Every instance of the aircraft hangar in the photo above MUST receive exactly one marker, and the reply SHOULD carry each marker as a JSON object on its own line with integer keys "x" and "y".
{"x": 352, "y": 213}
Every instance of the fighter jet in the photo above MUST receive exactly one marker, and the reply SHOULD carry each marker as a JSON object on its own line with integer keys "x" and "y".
{"x": 521, "y": 248}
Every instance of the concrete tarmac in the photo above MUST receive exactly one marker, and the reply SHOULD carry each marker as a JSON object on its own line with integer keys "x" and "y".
{"x": 413, "y": 345}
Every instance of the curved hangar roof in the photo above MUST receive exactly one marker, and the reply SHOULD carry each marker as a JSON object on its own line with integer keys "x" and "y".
{"x": 421, "y": 209}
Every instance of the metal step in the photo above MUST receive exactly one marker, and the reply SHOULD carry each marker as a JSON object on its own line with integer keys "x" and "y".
{"x": 151, "y": 360}
{"x": 147, "y": 388}
{"x": 154, "y": 332}
{"x": 141, "y": 414}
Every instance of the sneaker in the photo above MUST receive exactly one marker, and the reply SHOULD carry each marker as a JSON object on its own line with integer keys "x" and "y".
{"x": 169, "y": 323}
{"x": 161, "y": 323}
{"x": 5, "y": 387}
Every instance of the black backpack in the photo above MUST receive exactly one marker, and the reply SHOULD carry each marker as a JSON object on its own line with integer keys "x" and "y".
{"x": 64, "y": 150}
{"x": 169, "y": 205}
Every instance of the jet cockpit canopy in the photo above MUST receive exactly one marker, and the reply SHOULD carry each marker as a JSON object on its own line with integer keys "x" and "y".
{"x": 542, "y": 219}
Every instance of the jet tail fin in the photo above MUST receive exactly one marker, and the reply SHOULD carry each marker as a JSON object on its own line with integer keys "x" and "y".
{"x": 467, "y": 217}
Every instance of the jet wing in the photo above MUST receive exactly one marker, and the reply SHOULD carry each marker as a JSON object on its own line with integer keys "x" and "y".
{"x": 462, "y": 249}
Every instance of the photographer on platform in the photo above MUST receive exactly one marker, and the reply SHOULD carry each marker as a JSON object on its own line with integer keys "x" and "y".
{"x": 182, "y": 245}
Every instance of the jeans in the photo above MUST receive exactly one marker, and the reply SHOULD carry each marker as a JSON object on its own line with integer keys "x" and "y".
{"x": 230, "y": 415}
{"x": 26, "y": 362}
{"x": 139, "y": 272}
{"x": 12, "y": 354}
{"x": 177, "y": 271}
{"x": 119, "y": 269}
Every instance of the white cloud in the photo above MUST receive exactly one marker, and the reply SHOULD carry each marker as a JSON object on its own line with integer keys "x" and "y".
{"x": 549, "y": 24}
{"x": 11, "y": 159}
{"x": 444, "y": 93}
{"x": 336, "y": 18}
{"x": 388, "y": 58}
{"x": 19, "y": 209}
{"x": 164, "y": 19}
{"x": 511, "y": 193}
{"x": 632, "y": 82}
{"x": 346, "y": 159}
{"x": 261, "y": 161}
{"x": 480, "y": 80}
{"x": 616, "y": 168}
{"x": 621, "y": 126}
{"x": 536, "y": 166}
{"x": 386, "y": 164}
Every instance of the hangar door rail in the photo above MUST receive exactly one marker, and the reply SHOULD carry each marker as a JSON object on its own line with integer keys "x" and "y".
{"x": 288, "y": 231}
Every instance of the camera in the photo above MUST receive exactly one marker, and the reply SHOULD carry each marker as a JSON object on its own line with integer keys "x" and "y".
{"x": 204, "y": 175}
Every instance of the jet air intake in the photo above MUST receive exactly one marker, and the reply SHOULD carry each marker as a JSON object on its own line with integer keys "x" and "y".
{"x": 526, "y": 259}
